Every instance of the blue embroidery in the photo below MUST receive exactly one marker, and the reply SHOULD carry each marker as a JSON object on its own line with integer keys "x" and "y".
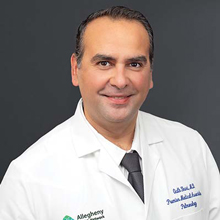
{"x": 183, "y": 189}
{"x": 187, "y": 205}
{"x": 184, "y": 196}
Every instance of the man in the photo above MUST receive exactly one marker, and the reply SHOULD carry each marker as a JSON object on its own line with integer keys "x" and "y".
{"x": 110, "y": 160}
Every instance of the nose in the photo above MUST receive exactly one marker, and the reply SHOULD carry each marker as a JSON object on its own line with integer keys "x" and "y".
{"x": 119, "y": 78}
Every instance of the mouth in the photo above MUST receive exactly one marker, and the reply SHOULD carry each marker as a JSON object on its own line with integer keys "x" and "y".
{"x": 118, "y": 97}
{"x": 119, "y": 100}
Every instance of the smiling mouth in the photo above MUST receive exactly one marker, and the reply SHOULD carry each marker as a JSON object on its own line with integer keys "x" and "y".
{"x": 118, "y": 100}
{"x": 118, "y": 97}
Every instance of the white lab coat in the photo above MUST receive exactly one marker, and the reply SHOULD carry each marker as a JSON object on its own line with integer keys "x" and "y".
{"x": 69, "y": 173}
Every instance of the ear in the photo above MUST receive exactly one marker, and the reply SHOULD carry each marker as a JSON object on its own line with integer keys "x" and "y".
{"x": 74, "y": 70}
{"x": 151, "y": 81}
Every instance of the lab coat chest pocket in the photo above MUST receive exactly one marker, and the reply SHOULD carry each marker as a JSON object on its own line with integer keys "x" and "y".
{"x": 186, "y": 201}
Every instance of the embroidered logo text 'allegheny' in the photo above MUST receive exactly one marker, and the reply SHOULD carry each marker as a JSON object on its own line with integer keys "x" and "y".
{"x": 92, "y": 215}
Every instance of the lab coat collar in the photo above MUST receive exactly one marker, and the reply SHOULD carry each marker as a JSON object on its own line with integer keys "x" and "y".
{"x": 85, "y": 142}
{"x": 150, "y": 126}
{"x": 84, "y": 135}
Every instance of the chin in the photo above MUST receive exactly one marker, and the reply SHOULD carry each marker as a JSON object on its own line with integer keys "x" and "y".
{"x": 119, "y": 118}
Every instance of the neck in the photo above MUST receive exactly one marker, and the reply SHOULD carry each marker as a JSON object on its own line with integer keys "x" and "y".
{"x": 120, "y": 134}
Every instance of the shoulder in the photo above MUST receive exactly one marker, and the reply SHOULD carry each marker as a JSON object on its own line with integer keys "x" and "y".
{"x": 166, "y": 127}
{"x": 55, "y": 144}
{"x": 175, "y": 136}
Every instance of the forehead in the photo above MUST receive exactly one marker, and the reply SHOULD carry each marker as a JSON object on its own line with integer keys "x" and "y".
{"x": 107, "y": 35}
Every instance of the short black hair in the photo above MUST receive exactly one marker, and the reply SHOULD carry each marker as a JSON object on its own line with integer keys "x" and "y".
{"x": 115, "y": 12}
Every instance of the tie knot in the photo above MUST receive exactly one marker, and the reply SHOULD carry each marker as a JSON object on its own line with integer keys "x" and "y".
{"x": 131, "y": 162}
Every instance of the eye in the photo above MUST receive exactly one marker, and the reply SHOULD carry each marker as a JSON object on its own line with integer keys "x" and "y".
{"x": 103, "y": 63}
{"x": 135, "y": 64}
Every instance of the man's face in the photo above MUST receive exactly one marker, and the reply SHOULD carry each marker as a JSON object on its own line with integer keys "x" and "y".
{"x": 115, "y": 75}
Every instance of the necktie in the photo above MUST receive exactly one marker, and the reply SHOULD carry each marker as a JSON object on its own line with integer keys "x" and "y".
{"x": 131, "y": 163}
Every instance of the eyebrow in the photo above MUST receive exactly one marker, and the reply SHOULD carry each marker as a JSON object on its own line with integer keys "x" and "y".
{"x": 99, "y": 57}
{"x": 137, "y": 59}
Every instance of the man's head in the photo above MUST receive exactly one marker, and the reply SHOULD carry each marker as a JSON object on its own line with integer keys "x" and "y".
{"x": 116, "y": 12}
{"x": 115, "y": 74}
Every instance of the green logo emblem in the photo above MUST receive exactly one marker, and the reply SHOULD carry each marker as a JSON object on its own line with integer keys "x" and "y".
{"x": 67, "y": 218}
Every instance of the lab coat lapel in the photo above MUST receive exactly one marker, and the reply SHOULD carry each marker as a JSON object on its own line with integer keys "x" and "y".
{"x": 109, "y": 167}
{"x": 150, "y": 163}
{"x": 150, "y": 159}
{"x": 86, "y": 141}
